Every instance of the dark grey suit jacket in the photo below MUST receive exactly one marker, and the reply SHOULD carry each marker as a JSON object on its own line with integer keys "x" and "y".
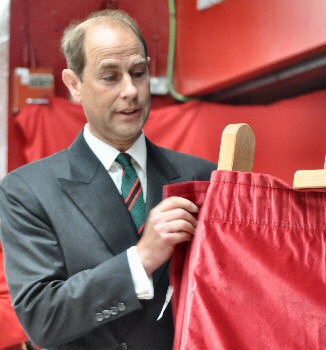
{"x": 65, "y": 231}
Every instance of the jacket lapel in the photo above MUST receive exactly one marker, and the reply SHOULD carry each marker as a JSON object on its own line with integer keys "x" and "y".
{"x": 92, "y": 190}
{"x": 160, "y": 172}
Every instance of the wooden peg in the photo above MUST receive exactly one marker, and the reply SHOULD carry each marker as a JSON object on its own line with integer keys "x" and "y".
{"x": 238, "y": 146}
{"x": 305, "y": 179}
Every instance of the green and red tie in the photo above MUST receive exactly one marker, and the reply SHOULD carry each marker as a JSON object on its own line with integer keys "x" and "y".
{"x": 132, "y": 191}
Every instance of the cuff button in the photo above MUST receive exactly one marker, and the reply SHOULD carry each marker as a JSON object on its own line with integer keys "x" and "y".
{"x": 99, "y": 317}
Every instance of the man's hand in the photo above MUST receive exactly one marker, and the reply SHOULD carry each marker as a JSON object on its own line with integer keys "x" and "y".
{"x": 169, "y": 223}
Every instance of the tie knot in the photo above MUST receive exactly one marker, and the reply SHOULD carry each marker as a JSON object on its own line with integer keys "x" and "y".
{"x": 124, "y": 159}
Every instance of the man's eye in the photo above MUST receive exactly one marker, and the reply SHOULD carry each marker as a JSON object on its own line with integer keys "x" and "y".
{"x": 110, "y": 78}
{"x": 139, "y": 73}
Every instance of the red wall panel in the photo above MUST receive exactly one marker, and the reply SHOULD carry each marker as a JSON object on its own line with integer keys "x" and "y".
{"x": 37, "y": 27}
{"x": 238, "y": 40}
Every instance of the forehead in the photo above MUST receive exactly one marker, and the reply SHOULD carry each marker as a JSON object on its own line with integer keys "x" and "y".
{"x": 111, "y": 40}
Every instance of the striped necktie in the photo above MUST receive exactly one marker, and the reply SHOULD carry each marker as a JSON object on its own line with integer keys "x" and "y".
{"x": 132, "y": 192}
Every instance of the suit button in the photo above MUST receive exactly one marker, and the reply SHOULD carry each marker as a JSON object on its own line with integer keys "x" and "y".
{"x": 114, "y": 310}
{"x": 122, "y": 346}
{"x": 106, "y": 313}
{"x": 99, "y": 317}
{"x": 122, "y": 307}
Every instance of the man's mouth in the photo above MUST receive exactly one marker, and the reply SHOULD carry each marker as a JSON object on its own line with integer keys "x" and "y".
{"x": 129, "y": 111}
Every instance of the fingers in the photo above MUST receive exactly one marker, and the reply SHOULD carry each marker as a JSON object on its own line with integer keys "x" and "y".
{"x": 169, "y": 223}
{"x": 176, "y": 226}
{"x": 174, "y": 214}
{"x": 176, "y": 211}
{"x": 177, "y": 202}
{"x": 175, "y": 220}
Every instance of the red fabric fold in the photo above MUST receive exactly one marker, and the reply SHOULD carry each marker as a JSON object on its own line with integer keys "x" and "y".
{"x": 50, "y": 128}
{"x": 254, "y": 275}
{"x": 12, "y": 332}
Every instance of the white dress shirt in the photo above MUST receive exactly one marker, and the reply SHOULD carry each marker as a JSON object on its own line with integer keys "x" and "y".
{"x": 107, "y": 155}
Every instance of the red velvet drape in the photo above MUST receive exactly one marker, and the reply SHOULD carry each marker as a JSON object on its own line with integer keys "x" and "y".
{"x": 254, "y": 275}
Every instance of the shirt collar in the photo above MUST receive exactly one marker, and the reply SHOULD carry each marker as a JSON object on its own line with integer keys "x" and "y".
{"x": 107, "y": 154}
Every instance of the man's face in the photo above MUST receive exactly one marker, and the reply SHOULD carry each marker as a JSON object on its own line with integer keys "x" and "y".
{"x": 115, "y": 88}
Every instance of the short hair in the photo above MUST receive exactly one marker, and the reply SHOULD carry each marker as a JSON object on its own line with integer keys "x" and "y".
{"x": 72, "y": 43}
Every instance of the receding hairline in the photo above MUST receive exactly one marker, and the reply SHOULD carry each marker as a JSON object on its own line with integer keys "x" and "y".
{"x": 93, "y": 23}
{"x": 74, "y": 37}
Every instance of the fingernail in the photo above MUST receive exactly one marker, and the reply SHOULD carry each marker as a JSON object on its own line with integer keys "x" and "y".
{"x": 195, "y": 208}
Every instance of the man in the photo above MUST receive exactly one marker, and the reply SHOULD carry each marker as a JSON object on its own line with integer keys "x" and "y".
{"x": 80, "y": 275}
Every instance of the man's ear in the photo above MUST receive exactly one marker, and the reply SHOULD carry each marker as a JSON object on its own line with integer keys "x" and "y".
{"x": 72, "y": 82}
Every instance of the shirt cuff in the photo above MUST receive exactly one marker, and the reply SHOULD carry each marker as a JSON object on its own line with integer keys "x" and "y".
{"x": 142, "y": 283}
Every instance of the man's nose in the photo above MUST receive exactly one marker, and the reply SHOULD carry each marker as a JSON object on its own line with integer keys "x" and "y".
{"x": 128, "y": 87}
